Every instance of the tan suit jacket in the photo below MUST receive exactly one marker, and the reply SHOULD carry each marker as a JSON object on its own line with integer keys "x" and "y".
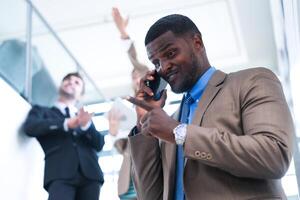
{"x": 238, "y": 146}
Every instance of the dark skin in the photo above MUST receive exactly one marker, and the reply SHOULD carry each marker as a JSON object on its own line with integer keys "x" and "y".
{"x": 180, "y": 60}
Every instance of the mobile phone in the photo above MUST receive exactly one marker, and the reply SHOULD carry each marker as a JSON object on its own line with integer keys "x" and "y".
{"x": 157, "y": 86}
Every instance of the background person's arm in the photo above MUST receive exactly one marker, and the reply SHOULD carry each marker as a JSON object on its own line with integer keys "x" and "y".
{"x": 121, "y": 24}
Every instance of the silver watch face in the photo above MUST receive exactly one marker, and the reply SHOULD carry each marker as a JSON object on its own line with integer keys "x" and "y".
{"x": 180, "y": 133}
{"x": 179, "y": 141}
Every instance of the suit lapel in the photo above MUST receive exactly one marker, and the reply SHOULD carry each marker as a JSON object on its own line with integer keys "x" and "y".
{"x": 212, "y": 88}
{"x": 57, "y": 111}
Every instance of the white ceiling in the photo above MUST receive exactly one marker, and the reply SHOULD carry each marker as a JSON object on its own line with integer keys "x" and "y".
{"x": 237, "y": 34}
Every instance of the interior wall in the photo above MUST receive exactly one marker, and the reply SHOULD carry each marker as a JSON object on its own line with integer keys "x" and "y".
{"x": 22, "y": 161}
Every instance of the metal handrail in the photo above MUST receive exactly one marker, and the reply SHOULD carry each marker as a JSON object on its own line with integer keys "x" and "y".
{"x": 78, "y": 65}
{"x": 28, "y": 79}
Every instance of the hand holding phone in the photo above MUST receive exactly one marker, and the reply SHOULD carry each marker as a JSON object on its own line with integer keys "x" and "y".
{"x": 157, "y": 85}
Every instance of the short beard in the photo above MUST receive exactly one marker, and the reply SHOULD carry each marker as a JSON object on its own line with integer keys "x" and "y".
{"x": 180, "y": 90}
{"x": 191, "y": 79}
{"x": 66, "y": 95}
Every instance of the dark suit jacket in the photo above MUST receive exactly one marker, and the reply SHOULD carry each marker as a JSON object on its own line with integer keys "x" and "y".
{"x": 238, "y": 146}
{"x": 64, "y": 152}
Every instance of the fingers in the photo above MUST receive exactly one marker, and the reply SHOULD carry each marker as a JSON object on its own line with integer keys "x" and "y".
{"x": 115, "y": 12}
{"x": 82, "y": 111}
{"x": 84, "y": 115}
{"x": 139, "y": 103}
{"x": 117, "y": 16}
{"x": 72, "y": 122}
{"x": 91, "y": 115}
{"x": 163, "y": 98}
{"x": 145, "y": 81}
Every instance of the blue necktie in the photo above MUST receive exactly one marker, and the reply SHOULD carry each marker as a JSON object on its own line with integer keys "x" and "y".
{"x": 184, "y": 116}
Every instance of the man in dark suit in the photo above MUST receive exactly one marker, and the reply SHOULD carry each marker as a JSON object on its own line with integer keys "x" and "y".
{"x": 70, "y": 143}
{"x": 231, "y": 137}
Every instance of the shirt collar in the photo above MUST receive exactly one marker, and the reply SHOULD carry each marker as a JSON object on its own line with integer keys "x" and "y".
{"x": 200, "y": 85}
{"x": 61, "y": 106}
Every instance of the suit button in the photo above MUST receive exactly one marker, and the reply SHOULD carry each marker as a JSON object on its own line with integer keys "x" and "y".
{"x": 203, "y": 155}
{"x": 209, "y": 156}
{"x": 197, "y": 153}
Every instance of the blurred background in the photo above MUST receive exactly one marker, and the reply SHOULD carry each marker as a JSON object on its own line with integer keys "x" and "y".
{"x": 42, "y": 40}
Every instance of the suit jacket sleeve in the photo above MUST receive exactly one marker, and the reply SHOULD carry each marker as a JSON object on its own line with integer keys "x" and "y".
{"x": 93, "y": 137}
{"x": 36, "y": 124}
{"x": 146, "y": 167}
{"x": 264, "y": 149}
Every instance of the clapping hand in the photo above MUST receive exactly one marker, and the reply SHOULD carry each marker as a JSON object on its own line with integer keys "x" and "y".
{"x": 84, "y": 117}
{"x": 81, "y": 119}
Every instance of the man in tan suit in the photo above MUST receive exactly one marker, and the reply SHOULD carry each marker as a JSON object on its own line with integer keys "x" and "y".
{"x": 231, "y": 138}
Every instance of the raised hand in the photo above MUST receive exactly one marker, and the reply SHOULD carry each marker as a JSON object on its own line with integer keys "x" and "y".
{"x": 120, "y": 22}
{"x": 73, "y": 122}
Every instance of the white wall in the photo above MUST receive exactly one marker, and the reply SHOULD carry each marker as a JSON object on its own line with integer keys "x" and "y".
{"x": 21, "y": 157}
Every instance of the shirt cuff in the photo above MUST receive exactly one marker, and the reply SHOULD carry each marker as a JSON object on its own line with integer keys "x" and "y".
{"x": 87, "y": 126}
{"x": 126, "y": 44}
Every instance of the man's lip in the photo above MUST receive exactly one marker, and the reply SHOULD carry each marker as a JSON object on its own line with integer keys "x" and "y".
{"x": 171, "y": 76}
{"x": 69, "y": 87}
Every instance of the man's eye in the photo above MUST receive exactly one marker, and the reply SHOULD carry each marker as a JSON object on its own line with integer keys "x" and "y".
{"x": 170, "y": 54}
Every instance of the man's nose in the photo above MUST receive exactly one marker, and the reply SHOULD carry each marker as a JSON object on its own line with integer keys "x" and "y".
{"x": 164, "y": 66}
{"x": 72, "y": 82}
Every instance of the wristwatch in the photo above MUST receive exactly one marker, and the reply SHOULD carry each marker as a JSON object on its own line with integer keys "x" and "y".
{"x": 180, "y": 133}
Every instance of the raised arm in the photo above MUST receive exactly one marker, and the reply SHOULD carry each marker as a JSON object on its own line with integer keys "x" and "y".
{"x": 121, "y": 24}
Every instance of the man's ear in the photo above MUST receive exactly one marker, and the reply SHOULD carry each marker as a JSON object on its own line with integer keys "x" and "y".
{"x": 197, "y": 40}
